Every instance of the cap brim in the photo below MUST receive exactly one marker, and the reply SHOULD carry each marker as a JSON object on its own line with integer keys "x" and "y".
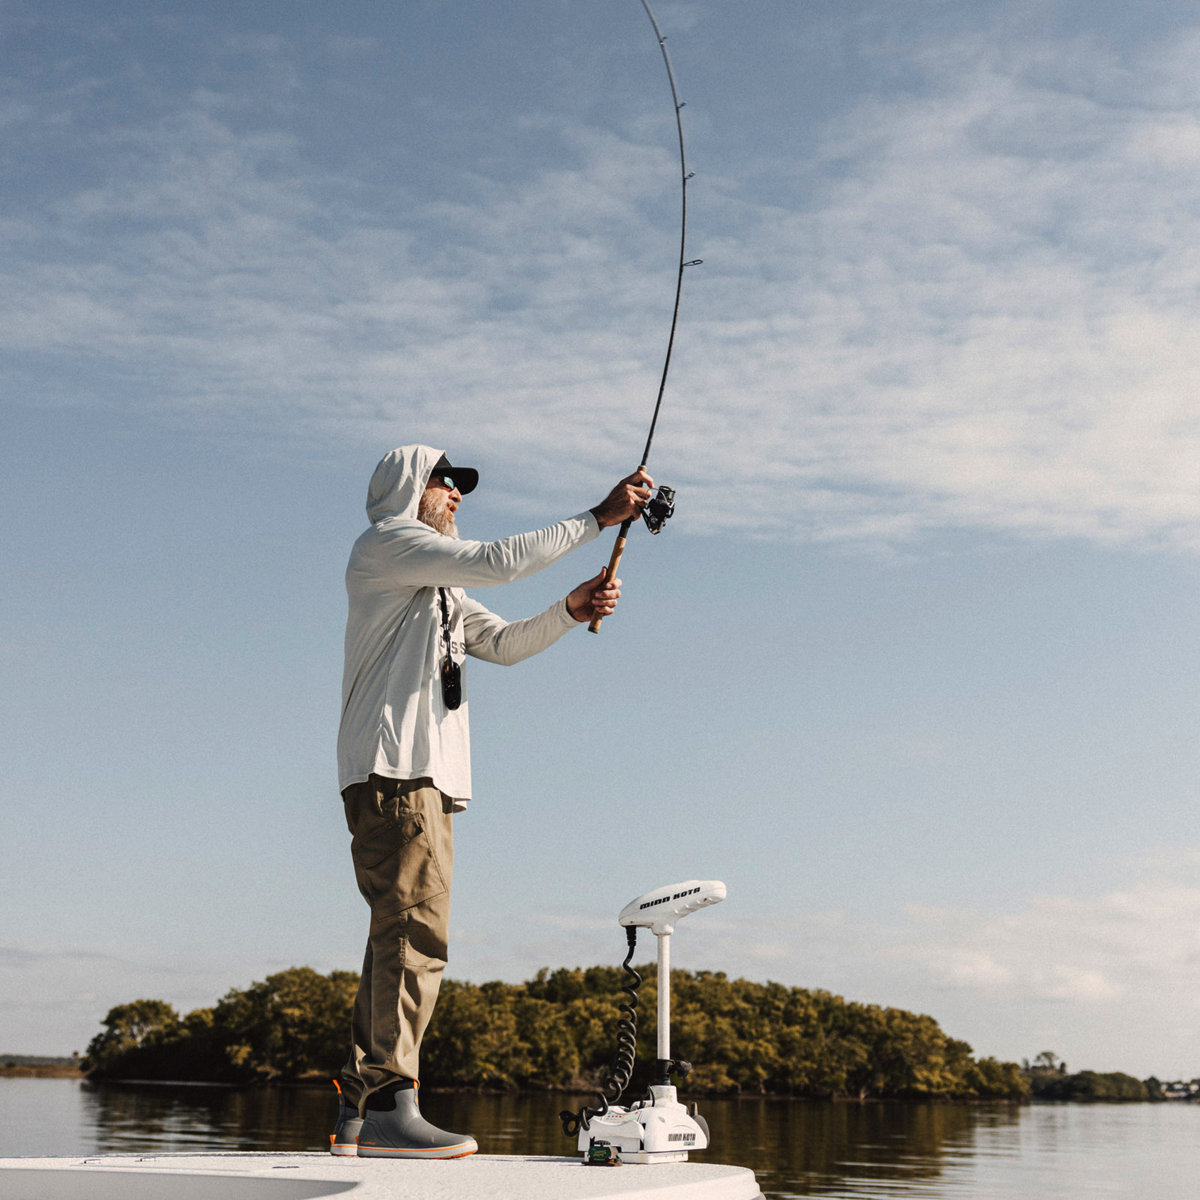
{"x": 466, "y": 479}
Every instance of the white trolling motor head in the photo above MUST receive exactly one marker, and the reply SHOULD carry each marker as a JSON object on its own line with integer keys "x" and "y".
{"x": 660, "y": 909}
{"x": 656, "y": 1128}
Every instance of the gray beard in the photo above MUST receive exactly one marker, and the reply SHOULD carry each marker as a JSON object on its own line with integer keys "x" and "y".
{"x": 433, "y": 511}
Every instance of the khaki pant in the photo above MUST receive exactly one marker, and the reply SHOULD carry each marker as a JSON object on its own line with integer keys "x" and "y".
{"x": 403, "y": 851}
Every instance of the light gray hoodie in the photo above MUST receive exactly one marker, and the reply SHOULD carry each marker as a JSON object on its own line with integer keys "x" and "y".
{"x": 394, "y": 722}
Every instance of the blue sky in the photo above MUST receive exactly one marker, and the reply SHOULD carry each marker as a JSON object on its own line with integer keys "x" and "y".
{"x": 913, "y": 669}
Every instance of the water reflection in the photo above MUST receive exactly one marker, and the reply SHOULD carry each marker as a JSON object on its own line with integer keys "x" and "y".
{"x": 795, "y": 1148}
{"x": 850, "y": 1151}
{"x": 128, "y": 1118}
{"x": 805, "y": 1148}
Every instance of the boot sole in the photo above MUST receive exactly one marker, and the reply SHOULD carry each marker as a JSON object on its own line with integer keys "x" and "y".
{"x": 462, "y": 1150}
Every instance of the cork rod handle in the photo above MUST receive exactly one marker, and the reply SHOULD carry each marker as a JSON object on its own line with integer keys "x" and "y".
{"x": 610, "y": 572}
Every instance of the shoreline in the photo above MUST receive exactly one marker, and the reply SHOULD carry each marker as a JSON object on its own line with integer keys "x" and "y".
{"x": 66, "y": 1071}
{"x": 40, "y": 1070}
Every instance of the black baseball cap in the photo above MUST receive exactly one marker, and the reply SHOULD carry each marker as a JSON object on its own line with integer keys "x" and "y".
{"x": 466, "y": 479}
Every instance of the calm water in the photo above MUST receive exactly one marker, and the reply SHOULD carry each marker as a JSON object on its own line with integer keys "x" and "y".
{"x": 1069, "y": 1152}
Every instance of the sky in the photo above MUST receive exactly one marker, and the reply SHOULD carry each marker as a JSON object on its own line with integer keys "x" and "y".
{"x": 912, "y": 670}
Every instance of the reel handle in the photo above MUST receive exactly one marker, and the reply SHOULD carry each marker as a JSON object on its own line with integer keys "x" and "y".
{"x": 610, "y": 572}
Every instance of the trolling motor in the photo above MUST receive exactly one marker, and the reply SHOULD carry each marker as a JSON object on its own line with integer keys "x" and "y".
{"x": 656, "y": 1128}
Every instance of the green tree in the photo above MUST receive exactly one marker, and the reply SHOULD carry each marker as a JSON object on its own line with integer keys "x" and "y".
{"x": 138, "y": 1025}
{"x": 559, "y": 1030}
{"x": 293, "y": 1023}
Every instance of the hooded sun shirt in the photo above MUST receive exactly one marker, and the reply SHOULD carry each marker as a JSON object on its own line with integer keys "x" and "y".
{"x": 394, "y": 722}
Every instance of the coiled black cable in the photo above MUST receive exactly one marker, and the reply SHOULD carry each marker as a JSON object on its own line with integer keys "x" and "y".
{"x": 622, "y": 1070}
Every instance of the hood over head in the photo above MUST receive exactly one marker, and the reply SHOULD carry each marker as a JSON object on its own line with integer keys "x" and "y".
{"x": 400, "y": 478}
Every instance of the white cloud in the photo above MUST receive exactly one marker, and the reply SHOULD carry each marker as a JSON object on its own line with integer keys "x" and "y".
{"x": 1113, "y": 977}
{"x": 986, "y": 320}
{"x": 976, "y": 312}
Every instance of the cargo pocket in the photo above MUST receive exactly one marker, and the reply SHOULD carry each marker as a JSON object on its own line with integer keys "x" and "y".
{"x": 394, "y": 863}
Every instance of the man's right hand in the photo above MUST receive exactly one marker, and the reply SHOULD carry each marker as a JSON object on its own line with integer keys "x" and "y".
{"x": 626, "y": 500}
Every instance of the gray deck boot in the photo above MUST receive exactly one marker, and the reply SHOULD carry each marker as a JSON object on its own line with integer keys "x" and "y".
{"x": 344, "y": 1138}
{"x": 394, "y": 1128}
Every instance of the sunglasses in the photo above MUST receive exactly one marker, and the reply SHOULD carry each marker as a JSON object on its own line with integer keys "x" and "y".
{"x": 446, "y": 481}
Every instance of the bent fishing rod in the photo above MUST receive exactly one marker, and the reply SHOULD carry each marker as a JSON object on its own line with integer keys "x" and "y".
{"x": 661, "y": 507}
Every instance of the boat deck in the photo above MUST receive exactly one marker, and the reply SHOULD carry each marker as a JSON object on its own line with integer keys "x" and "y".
{"x": 248, "y": 1176}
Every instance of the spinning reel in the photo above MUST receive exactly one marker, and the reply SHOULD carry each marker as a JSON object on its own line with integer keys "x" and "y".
{"x": 660, "y": 509}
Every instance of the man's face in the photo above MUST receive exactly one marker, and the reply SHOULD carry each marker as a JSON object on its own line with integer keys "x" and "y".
{"x": 438, "y": 505}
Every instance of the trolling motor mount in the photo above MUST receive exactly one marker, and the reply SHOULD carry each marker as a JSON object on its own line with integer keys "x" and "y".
{"x": 660, "y": 509}
{"x": 656, "y": 1128}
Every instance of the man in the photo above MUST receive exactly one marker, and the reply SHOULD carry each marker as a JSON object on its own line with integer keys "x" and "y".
{"x": 404, "y": 756}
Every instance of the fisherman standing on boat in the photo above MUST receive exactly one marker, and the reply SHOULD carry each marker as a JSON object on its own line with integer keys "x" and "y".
{"x": 404, "y": 754}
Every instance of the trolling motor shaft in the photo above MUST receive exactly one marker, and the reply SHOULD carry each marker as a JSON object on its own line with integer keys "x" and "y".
{"x": 658, "y": 911}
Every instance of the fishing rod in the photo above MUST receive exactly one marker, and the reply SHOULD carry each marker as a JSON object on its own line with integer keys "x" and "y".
{"x": 662, "y": 506}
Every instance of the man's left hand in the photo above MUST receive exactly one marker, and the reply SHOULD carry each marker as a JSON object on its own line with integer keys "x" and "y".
{"x": 595, "y": 598}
